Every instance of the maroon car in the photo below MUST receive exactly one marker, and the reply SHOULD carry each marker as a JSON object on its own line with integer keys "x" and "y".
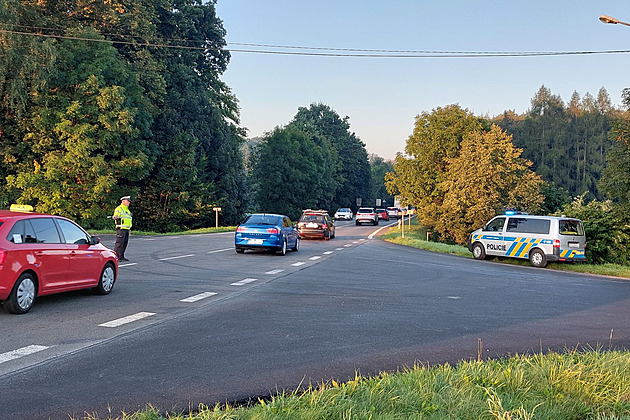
{"x": 382, "y": 214}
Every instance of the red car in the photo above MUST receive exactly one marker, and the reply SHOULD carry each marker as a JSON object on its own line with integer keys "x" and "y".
{"x": 382, "y": 214}
{"x": 41, "y": 254}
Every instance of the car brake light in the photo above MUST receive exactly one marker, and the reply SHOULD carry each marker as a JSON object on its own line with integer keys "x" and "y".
{"x": 556, "y": 243}
{"x": 241, "y": 229}
{"x": 324, "y": 226}
{"x": 3, "y": 257}
{"x": 273, "y": 230}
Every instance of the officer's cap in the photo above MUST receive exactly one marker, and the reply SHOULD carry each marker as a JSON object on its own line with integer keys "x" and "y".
{"x": 126, "y": 197}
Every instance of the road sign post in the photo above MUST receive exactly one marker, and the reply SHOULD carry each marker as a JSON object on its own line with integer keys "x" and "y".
{"x": 216, "y": 215}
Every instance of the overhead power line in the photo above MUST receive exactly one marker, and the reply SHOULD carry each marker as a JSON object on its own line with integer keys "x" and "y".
{"x": 318, "y": 51}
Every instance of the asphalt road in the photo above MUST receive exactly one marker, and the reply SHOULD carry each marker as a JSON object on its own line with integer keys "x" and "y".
{"x": 210, "y": 325}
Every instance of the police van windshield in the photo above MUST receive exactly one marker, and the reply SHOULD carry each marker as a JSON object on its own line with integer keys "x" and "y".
{"x": 571, "y": 227}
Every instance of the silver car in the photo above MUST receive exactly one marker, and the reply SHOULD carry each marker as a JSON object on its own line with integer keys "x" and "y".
{"x": 366, "y": 215}
{"x": 344, "y": 213}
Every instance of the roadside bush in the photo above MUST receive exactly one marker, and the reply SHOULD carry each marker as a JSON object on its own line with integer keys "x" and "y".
{"x": 607, "y": 230}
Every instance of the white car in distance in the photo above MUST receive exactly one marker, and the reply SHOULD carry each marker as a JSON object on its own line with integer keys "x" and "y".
{"x": 344, "y": 213}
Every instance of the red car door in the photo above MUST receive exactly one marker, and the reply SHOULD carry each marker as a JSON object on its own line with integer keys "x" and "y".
{"x": 85, "y": 264}
{"x": 49, "y": 256}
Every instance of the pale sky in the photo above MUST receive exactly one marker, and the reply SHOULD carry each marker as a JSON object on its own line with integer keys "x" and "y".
{"x": 382, "y": 96}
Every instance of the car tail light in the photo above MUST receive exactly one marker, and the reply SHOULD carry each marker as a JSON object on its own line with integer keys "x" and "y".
{"x": 556, "y": 244}
{"x": 274, "y": 231}
{"x": 3, "y": 256}
{"x": 324, "y": 226}
{"x": 241, "y": 229}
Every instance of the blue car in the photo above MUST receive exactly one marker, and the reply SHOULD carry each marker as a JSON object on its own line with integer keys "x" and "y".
{"x": 266, "y": 231}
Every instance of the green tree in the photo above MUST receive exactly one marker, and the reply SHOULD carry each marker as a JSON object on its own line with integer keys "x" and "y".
{"x": 487, "y": 176}
{"x": 176, "y": 143}
{"x": 616, "y": 177}
{"x": 289, "y": 174}
{"x": 83, "y": 133}
{"x": 607, "y": 230}
{"x": 380, "y": 168}
{"x": 418, "y": 177}
{"x": 351, "y": 168}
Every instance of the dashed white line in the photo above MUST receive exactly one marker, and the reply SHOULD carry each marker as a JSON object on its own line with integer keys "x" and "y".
{"x": 220, "y": 250}
{"x": 347, "y": 245}
{"x": 126, "y": 319}
{"x": 276, "y": 271}
{"x": 200, "y": 296}
{"x": 328, "y": 252}
{"x": 453, "y": 297}
{"x": 338, "y": 249}
{"x": 126, "y": 265}
{"x": 297, "y": 264}
{"x": 317, "y": 257}
{"x": 21, "y": 352}
{"x": 175, "y": 258}
{"x": 243, "y": 282}
{"x": 355, "y": 242}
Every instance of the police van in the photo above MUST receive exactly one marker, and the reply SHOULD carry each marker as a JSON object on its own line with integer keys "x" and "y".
{"x": 538, "y": 238}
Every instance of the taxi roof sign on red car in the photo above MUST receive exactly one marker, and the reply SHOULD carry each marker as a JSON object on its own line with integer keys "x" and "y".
{"x": 24, "y": 208}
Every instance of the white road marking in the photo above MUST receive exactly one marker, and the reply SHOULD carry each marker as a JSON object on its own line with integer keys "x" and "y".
{"x": 126, "y": 320}
{"x": 362, "y": 239}
{"x": 453, "y": 297}
{"x": 328, "y": 252}
{"x": 338, "y": 249}
{"x": 220, "y": 250}
{"x": 355, "y": 242}
{"x": 317, "y": 257}
{"x": 126, "y": 265}
{"x": 373, "y": 234}
{"x": 24, "y": 351}
{"x": 198, "y": 297}
{"x": 297, "y": 264}
{"x": 276, "y": 271}
{"x": 175, "y": 258}
{"x": 243, "y": 282}
{"x": 347, "y": 245}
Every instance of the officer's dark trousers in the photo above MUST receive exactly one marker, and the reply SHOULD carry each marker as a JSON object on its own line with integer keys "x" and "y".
{"x": 122, "y": 238}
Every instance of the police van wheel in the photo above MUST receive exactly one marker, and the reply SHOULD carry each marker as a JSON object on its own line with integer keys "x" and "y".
{"x": 478, "y": 252}
{"x": 538, "y": 258}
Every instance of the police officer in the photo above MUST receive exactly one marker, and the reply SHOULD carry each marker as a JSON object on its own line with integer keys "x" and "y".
{"x": 122, "y": 217}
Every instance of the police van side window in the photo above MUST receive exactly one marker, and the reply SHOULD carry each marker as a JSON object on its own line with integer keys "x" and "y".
{"x": 571, "y": 227}
{"x": 525, "y": 225}
{"x": 496, "y": 225}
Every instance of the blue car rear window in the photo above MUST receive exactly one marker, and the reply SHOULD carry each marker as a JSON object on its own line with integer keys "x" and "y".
{"x": 261, "y": 219}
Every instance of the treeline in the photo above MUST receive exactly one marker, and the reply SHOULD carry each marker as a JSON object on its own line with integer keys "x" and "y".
{"x": 104, "y": 99}
{"x": 567, "y": 144}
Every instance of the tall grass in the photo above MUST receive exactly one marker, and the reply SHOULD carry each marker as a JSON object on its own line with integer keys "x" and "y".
{"x": 572, "y": 385}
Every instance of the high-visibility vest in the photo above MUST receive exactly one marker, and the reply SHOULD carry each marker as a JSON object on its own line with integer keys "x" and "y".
{"x": 122, "y": 215}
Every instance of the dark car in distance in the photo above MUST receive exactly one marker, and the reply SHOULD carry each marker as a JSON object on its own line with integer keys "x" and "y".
{"x": 316, "y": 224}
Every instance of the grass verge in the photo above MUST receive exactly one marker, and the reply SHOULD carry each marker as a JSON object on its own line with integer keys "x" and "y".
{"x": 572, "y": 385}
{"x": 415, "y": 236}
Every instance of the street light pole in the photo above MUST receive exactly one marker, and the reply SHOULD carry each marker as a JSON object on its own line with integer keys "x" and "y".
{"x": 614, "y": 21}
